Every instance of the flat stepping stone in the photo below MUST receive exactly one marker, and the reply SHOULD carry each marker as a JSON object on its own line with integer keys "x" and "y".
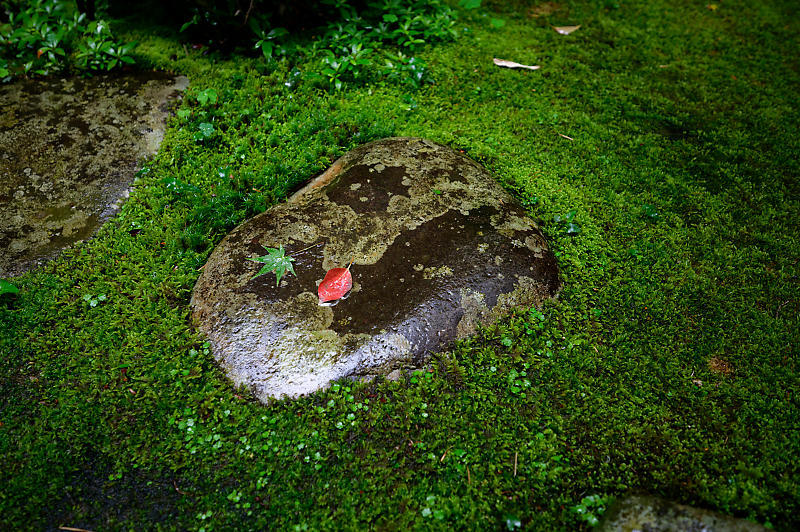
{"x": 438, "y": 247}
{"x": 652, "y": 514}
{"x": 68, "y": 154}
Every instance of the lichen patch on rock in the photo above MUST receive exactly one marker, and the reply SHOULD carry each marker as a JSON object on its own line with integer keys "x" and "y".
{"x": 438, "y": 248}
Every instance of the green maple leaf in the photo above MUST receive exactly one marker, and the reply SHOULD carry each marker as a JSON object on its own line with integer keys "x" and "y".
{"x": 275, "y": 261}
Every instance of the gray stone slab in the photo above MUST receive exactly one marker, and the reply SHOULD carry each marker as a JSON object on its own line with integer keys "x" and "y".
{"x": 438, "y": 247}
{"x": 652, "y": 514}
{"x": 69, "y": 150}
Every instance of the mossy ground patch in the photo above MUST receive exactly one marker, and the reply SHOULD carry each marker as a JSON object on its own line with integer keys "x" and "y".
{"x": 687, "y": 250}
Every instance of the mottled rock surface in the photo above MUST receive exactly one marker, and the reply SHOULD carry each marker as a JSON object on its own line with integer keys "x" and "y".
{"x": 438, "y": 248}
{"x": 651, "y": 514}
{"x": 68, "y": 153}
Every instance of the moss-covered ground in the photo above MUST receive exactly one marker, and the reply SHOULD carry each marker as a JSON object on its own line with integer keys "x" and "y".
{"x": 669, "y": 364}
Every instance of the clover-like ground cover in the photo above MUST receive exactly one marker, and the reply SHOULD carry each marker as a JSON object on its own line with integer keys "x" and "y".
{"x": 668, "y": 365}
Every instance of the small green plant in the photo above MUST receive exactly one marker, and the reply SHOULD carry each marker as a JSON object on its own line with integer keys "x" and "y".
{"x": 567, "y": 222}
{"x": 348, "y": 64}
{"x": 410, "y": 71}
{"x": 431, "y": 511}
{"x": 100, "y": 51}
{"x": 518, "y": 382}
{"x": 204, "y": 131}
{"x": 535, "y": 322}
{"x": 207, "y": 97}
{"x": 275, "y": 261}
{"x": 180, "y": 188}
{"x": 591, "y": 508}
{"x": 93, "y": 300}
{"x": 650, "y": 212}
{"x": 513, "y": 522}
{"x": 269, "y": 41}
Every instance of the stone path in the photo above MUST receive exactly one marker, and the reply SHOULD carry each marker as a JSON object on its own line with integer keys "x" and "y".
{"x": 652, "y": 514}
{"x": 69, "y": 150}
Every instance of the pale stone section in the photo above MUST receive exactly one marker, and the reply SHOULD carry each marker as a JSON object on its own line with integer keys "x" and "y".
{"x": 69, "y": 149}
{"x": 653, "y": 514}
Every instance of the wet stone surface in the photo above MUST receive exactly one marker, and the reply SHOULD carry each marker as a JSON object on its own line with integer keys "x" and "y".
{"x": 68, "y": 153}
{"x": 651, "y": 514}
{"x": 438, "y": 247}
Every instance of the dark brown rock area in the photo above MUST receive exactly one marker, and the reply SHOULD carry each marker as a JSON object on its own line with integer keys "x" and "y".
{"x": 69, "y": 149}
{"x": 438, "y": 247}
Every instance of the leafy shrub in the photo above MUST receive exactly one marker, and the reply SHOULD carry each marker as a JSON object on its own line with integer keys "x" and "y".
{"x": 402, "y": 27}
{"x": 353, "y": 32}
{"x": 51, "y": 36}
{"x": 99, "y": 51}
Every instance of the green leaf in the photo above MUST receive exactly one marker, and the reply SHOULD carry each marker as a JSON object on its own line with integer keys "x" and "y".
{"x": 470, "y": 4}
{"x": 497, "y": 22}
{"x": 275, "y": 261}
{"x": 187, "y": 24}
{"x": 206, "y": 129}
{"x": 7, "y": 288}
{"x": 207, "y": 96}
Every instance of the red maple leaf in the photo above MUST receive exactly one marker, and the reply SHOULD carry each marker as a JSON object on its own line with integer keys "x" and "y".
{"x": 336, "y": 285}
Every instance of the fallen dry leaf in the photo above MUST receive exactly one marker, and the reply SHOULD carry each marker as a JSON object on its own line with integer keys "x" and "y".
{"x": 566, "y": 30}
{"x": 512, "y": 64}
{"x": 335, "y": 286}
{"x": 718, "y": 365}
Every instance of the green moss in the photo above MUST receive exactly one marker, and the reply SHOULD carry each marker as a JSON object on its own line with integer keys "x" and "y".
{"x": 683, "y": 175}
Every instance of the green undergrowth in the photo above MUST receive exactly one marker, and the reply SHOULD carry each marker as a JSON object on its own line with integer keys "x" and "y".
{"x": 657, "y": 148}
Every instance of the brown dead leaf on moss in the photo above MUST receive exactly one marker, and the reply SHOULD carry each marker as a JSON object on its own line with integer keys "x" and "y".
{"x": 720, "y": 366}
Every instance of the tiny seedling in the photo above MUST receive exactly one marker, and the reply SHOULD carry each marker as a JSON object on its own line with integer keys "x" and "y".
{"x": 93, "y": 300}
{"x": 275, "y": 261}
{"x": 591, "y": 508}
{"x": 207, "y": 97}
{"x": 567, "y": 222}
{"x": 205, "y": 131}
